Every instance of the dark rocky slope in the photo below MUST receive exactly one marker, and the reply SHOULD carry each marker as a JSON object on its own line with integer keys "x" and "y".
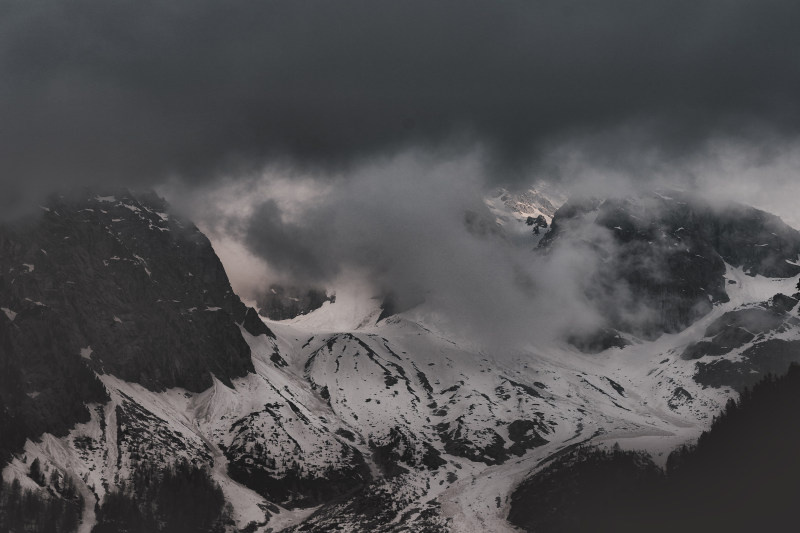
{"x": 111, "y": 284}
{"x": 741, "y": 346}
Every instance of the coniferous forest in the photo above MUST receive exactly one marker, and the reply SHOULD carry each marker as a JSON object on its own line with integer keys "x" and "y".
{"x": 178, "y": 499}
{"x": 56, "y": 510}
{"x": 741, "y": 475}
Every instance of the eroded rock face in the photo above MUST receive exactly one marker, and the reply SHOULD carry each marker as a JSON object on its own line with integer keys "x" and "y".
{"x": 772, "y": 356}
{"x": 661, "y": 257}
{"x": 741, "y": 346}
{"x": 290, "y": 460}
{"x": 113, "y": 284}
{"x": 283, "y": 303}
{"x": 597, "y": 341}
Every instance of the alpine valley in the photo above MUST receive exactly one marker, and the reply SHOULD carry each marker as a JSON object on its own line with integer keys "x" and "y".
{"x": 131, "y": 374}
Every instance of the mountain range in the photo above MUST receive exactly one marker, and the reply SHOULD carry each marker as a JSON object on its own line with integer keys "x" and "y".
{"x": 124, "y": 350}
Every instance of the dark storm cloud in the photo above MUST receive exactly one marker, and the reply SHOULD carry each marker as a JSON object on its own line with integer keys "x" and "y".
{"x": 136, "y": 91}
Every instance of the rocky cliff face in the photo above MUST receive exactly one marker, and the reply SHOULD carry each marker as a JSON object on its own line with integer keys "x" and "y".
{"x": 112, "y": 284}
{"x": 741, "y": 346}
{"x": 662, "y": 257}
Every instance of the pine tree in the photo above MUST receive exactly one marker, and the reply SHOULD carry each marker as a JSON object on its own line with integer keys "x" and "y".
{"x": 55, "y": 480}
{"x": 36, "y": 473}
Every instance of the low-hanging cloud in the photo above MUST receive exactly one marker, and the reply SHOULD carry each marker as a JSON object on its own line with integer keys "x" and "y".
{"x": 416, "y": 227}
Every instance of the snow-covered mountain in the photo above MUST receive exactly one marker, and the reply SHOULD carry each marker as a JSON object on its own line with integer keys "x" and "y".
{"x": 343, "y": 419}
{"x": 515, "y": 213}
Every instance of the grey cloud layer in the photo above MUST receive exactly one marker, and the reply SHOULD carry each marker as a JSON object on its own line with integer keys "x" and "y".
{"x": 401, "y": 226}
{"x": 134, "y": 91}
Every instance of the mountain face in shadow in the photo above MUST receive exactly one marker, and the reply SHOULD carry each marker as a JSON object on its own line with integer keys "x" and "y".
{"x": 661, "y": 258}
{"x": 116, "y": 285}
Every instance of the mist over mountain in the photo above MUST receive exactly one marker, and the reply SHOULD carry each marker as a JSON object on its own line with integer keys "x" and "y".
{"x": 661, "y": 257}
{"x": 394, "y": 266}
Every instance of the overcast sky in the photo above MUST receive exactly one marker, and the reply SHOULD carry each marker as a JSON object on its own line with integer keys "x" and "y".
{"x": 299, "y": 97}
{"x": 137, "y": 91}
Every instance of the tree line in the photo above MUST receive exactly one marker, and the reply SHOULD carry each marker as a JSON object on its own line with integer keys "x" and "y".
{"x": 741, "y": 475}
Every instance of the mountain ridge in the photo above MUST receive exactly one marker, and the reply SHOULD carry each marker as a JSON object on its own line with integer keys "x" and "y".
{"x": 388, "y": 424}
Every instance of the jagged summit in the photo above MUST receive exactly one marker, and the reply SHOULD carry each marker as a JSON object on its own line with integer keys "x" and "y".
{"x": 743, "y": 236}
